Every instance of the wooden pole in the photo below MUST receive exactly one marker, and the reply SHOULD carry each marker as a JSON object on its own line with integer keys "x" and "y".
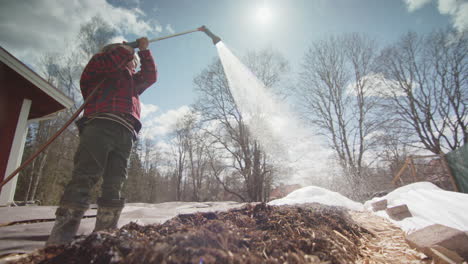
{"x": 413, "y": 169}
{"x": 400, "y": 172}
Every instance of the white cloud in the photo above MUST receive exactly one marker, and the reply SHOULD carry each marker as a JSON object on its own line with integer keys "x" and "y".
{"x": 138, "y": 11}
{"x": 447, "y": 7}
{"x": 163, "y": 146}
{"x": 147, "y": 109}
{"x": 461, "y": 19}
{"x": 457, "y": 9}
{"x": 416, "y": 4}
{"x": 160, "y": 125}
{"x": 170, "y": 29}
{"x": 377, "y": 85}
{"x": 30, "y": 28}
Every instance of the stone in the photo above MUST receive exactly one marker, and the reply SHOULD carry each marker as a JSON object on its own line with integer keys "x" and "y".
{"x": 399, "y": 212}
{"x": 439, "y": 235}
{"x": 379, "y": 205}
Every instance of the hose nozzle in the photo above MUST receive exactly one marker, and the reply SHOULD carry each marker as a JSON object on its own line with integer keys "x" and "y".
{"x": 210, "y": 34}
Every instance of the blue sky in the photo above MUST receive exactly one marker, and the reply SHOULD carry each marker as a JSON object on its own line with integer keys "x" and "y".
{"x": 28, "y": 28}
{"x": 293, "y": 26}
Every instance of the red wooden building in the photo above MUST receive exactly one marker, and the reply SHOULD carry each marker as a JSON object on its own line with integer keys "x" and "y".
{"x": 24, "y": 97}
{"x": 282, "y": 190}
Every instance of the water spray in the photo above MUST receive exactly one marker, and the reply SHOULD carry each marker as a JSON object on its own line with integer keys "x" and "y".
{"x": 133, "y": 44}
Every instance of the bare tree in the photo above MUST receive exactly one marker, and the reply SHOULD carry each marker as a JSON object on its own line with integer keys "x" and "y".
{"x": 449, "y": 54}
{"x": 94, "y": 35}
{"x": 216, "y": 104}
{"x": 336, "y": 96}
{"x": 43, "y": 130}
{"x": 190, "y": 148}
{"x": 179, "y": 153}
{"x": 270, "y": 67}
{"x": 427, "y": 88}
{"x": 197, "y": 156}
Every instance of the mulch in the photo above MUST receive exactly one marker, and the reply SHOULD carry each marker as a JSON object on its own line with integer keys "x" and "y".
{"x": 309, "y": 233}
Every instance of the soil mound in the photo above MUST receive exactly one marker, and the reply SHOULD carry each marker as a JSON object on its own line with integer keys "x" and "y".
{"x": 309, "y": 233}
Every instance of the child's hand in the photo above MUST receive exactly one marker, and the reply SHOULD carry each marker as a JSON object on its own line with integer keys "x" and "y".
{"x": 143, "y": 43}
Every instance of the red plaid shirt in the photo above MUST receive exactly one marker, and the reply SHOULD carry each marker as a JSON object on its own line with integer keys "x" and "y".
{"x": 121, "y": 88}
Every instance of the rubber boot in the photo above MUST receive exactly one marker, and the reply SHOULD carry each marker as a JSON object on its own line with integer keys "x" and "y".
{"x": 108, "y": 214}
{"x": 66, "y": 225}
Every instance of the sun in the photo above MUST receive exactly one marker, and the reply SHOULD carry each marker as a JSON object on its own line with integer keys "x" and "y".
{"x": 264, "y": 15}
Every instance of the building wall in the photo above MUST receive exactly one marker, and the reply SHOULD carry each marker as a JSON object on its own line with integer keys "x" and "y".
{"x": 10, "y": 106}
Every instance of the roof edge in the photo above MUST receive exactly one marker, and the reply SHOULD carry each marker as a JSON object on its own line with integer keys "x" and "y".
{"x": 18, "y": 66}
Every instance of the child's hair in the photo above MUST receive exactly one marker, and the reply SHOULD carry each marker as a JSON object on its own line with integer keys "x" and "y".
{"x": 136, "y": 59}
{"x": 109, "y": 47}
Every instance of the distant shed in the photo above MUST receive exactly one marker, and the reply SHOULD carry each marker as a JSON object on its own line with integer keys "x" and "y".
{"x": 24, "y": 97}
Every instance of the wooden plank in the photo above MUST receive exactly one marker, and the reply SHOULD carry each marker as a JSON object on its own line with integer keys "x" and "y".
{"x": 424, "y": 156}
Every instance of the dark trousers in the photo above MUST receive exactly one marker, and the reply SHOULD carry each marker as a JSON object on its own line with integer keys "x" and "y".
{"x": 104, "y": 150}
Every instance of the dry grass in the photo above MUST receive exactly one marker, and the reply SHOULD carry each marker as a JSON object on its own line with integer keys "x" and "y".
{"x": 388, "y": 245}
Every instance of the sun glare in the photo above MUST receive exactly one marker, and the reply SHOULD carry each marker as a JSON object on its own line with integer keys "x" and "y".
{"x": 264, "y": 15}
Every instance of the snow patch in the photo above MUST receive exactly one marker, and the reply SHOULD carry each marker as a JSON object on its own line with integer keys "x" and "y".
{"x": 314, "y": 194}
{"x": 429, "y": 205}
